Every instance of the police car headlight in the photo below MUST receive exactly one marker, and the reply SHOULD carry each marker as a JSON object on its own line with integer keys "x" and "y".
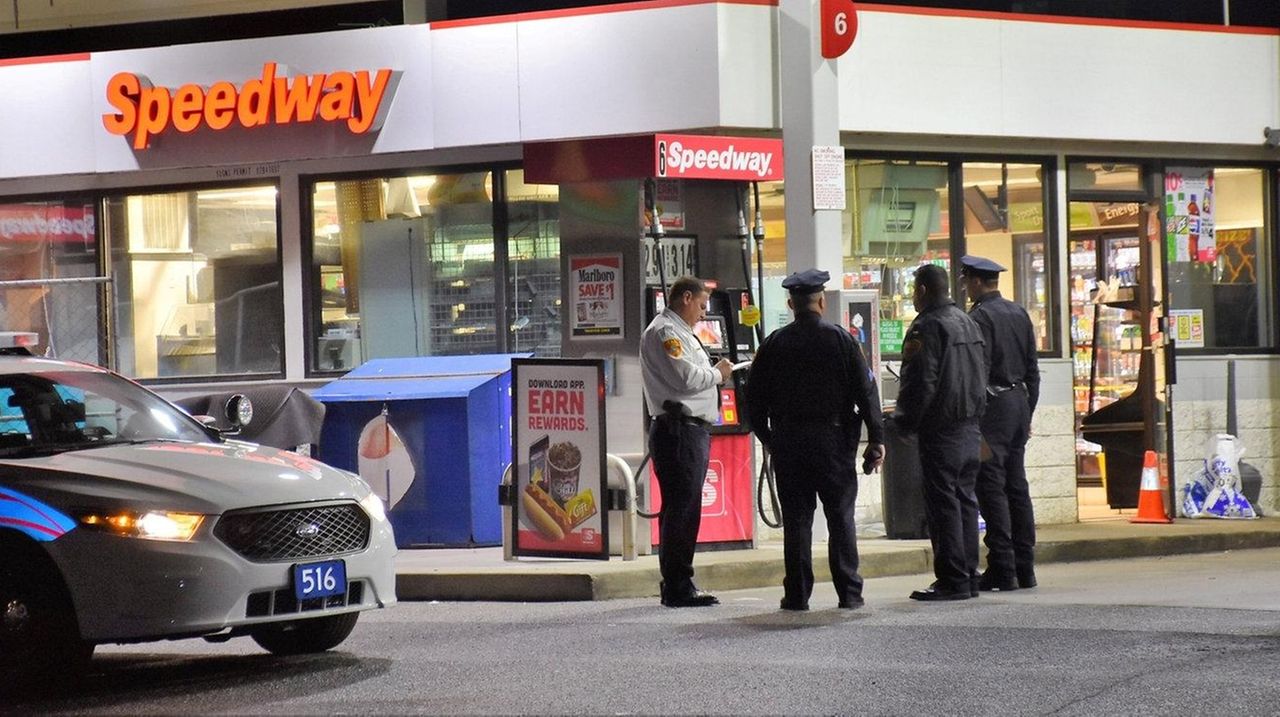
{"x": 372, "y": 505}
{"x": 153, "y": 525}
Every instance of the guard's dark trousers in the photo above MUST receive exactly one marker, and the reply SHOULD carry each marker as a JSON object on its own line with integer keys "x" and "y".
{"x": 680, "y": 451}
{"x": 812, "y": 462}
{"x": 1003, "y": 494}
{"x": 949, "y": 462}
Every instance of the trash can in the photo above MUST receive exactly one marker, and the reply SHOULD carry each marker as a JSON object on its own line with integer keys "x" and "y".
{"x": 1118, "y": 428}
{"x": 432, "y": 436}
{"x": 902, "y": 486}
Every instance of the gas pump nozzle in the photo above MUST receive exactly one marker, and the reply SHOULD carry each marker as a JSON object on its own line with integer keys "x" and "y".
{"x": 655, "y": 228}
{"x": 651, "y": 205}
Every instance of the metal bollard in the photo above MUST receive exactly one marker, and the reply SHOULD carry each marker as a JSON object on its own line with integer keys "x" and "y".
{"x": 618, "y": 468}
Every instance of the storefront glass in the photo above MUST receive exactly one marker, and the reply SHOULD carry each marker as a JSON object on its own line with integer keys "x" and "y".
{"x": 1004, "y": 221}
{"x": 50, "y": 278}
{"x": 896, "y": 219}
{"x": 196, "y": 276}
{"x": 402, "y": 266}
{"x": 1219, "y": 258}
{"x": 899, "y": 216}
{"x": 533, "y": 265}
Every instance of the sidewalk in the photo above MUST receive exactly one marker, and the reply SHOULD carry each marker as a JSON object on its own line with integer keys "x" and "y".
{"x": 481, "y": 573}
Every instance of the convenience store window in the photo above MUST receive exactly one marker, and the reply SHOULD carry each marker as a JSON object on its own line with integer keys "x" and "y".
{"x": 1219, "y": 258}
{"x": 1004, "y": 221}
{"x": 896, "y": 219}
{"x": 533, "y": 265}
{"x": 50, "y": 278}
{"x": 901, "y": 214}
{"x": 402, "y": 266}
{"x": 196, "y": 278}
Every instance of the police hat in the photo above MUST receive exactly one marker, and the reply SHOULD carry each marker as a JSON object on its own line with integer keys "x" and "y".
{"x": 980, "y": 267}
{"x": 806, "y": 282}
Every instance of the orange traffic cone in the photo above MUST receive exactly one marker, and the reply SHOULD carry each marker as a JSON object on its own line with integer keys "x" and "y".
{"x": 1150, "y": 497}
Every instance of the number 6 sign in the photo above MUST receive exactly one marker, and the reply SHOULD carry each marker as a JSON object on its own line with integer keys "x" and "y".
{"x": 839, "y": 26}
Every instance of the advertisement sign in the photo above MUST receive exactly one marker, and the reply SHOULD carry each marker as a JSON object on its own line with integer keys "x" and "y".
{"x": 695, "y": 156}
{"x": 559, "y": 450}
{"x": 669, "y": 196}
{"x": 1188, "y": 210}
{"x": 595, "y": 291}
{"x": 1187, "y": 327}
{"x": 39, "y": 221}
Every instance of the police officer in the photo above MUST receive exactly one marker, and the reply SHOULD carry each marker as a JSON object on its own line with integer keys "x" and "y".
{"x": 941, "y": 397}
{"x": 1013, "y": 388}
{"x": 680, "y": 390}
{"x": 808, "y": 394}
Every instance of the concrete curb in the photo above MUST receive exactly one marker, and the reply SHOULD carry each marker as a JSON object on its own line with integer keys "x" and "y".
{"x": 763, "y": 567}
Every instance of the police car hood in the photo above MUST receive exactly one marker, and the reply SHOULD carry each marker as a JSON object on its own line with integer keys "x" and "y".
{"x": 207, "y": 478}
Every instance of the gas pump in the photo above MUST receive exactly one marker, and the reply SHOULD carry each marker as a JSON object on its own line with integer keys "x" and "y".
{"x": 678, "y": 194}
{"x": 727, "y": 501}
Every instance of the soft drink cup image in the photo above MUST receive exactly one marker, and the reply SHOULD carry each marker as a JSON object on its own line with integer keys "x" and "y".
{"x": 563, "y": 463}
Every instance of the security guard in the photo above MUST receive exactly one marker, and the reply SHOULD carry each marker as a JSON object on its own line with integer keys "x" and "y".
{"x": 680, "y": 390}
{"x": 808, "y": 394}
{"x": 941, "y": 397}
{"x": 1013, "y": 388}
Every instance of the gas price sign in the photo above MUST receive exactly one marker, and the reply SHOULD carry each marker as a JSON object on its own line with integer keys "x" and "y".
{"x": 681, "y": 254}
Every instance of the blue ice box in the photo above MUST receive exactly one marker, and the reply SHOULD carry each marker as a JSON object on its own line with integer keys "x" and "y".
{"x": 453, "y": 414}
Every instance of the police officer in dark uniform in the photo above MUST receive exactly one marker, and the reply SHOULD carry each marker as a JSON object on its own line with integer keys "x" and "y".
{"x": 1013, "y": 388}
{"x": 941, "y": 397}
{"x": 808, "y": 394}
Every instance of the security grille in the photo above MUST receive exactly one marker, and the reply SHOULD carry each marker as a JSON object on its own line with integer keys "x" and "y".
{"x": 64, "y": 313}
{"x": 291, "y": 534}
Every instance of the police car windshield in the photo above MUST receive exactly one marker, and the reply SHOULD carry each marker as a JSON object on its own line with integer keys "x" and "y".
{"x": 48, "y": 412}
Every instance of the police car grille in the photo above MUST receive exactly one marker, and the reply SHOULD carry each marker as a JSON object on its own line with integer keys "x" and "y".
{"x": 291, "y": 534}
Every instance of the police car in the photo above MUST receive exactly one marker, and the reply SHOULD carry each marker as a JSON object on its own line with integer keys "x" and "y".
{"x": 123, "y": 519}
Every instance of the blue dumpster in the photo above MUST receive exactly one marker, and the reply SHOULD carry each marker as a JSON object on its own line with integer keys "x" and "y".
{"x": 432, "y": 436}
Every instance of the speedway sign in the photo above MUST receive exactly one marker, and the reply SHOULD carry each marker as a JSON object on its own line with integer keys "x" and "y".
{"x": 695, "y": 156}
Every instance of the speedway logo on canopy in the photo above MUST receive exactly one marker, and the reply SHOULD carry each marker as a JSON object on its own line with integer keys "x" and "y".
{"x": 146, "y": 111}
{"x": 681, "y": 156}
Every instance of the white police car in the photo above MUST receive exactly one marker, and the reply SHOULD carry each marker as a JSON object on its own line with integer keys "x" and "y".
{"x": 123, "y": 519}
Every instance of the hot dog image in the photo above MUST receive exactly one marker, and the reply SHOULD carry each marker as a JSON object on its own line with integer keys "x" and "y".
{"x": 541, "y": 518}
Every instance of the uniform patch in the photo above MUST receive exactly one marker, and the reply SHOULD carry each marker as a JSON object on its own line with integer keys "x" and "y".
{"x": 910, "y": 347}
{"x": 673, "y": 348}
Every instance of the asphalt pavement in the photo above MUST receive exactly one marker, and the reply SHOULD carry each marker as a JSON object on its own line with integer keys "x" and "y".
{"x": 483, "y": 574}
{"x": 1195, "y": 634}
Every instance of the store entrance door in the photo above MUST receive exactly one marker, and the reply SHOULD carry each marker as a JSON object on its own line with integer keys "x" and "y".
{"x": 1117, "y": 301}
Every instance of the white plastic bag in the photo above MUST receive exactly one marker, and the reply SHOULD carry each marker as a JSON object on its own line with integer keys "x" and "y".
{"x": 1214, "y": 492}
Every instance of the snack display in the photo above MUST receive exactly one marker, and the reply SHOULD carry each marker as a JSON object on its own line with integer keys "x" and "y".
{"x": 535, "y": 509}
{"x": 550, "y": 518}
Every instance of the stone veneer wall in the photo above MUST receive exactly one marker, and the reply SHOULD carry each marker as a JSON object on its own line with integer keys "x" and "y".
{"x": 1200, "y": 412}
{"x": 1051, "y": 467}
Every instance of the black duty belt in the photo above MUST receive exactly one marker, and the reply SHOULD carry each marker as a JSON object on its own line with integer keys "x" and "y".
{"x": 809, "y": 421}
{"x": 997, "y": 390}
{"x": 691, "y": 420}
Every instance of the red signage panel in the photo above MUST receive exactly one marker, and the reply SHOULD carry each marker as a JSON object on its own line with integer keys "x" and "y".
{"x": 839, "y": 21}
{"x": 697, "y": 156}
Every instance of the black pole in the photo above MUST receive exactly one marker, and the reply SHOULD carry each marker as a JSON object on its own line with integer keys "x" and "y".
{"x": 759, "y": 237}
